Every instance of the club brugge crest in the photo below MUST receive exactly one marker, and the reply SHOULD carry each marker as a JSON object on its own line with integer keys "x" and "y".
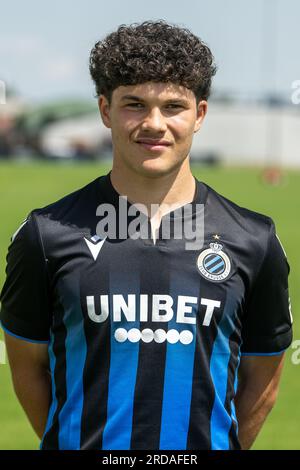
{"x": 213, "y": 263}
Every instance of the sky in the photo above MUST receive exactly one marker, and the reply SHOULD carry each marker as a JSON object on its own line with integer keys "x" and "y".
{"x": 45, "y": 46}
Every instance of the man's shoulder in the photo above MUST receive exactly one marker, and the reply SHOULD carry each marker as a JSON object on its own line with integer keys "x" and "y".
{"x": 237, "y": 214}
{"x": 75, "y": 199}
{"x": 74, "y": 212}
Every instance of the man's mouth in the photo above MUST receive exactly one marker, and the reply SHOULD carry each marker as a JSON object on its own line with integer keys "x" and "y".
{"x": 153, "y": 144}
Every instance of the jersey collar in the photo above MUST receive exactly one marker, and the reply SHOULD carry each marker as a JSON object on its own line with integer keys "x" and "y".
{"x": 112, "y": 196}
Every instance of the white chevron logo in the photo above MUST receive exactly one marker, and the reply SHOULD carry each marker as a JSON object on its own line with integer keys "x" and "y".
{"x": 95, "y": 245}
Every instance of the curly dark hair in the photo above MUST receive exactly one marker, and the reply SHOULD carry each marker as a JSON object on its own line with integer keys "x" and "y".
{"x": 152, "y": 51}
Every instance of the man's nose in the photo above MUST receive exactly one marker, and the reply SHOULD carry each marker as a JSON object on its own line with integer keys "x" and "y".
{"x": 154, "y": 121}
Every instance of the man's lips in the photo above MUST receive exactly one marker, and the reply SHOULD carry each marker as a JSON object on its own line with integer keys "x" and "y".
{"x": 153, "y": 144}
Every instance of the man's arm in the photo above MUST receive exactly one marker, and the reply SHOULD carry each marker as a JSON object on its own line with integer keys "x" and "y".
{"x": 258, "y": 386}
{"x": 31, "y": 379}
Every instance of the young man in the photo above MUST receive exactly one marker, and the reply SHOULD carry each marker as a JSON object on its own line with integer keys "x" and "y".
{"x": 147, "y": 335}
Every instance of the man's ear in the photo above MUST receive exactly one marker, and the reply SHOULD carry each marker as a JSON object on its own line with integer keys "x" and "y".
{"x": 201, "y": 113}
{"x": 104, "y": 109}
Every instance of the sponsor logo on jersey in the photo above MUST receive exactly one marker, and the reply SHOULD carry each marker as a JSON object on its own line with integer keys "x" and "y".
{"x": 213, "y": 263}
{"x": 158, "y": 308}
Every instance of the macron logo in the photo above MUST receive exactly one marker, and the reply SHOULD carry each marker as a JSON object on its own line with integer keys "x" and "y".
{"x": 95, "y": 244}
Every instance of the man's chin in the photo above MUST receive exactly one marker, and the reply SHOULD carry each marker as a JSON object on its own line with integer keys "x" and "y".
{"x": 154, "y": 168}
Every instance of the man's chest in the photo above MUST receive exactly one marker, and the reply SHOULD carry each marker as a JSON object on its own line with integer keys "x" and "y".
{"x": 136, "y": 291}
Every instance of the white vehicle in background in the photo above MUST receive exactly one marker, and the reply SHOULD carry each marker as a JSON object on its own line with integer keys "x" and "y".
{"x": 82, "y": 137}
{"x": 66, "y": 129}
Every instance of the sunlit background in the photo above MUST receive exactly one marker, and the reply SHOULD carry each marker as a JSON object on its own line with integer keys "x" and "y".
{"x": 53, "y": 142}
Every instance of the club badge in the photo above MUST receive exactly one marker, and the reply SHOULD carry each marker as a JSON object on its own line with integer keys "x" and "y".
{"x": 213, "y": 263}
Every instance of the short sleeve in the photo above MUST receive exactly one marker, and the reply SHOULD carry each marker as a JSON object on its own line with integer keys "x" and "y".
{"x": 267, "y": 323}
{"x": 25, "y": 304}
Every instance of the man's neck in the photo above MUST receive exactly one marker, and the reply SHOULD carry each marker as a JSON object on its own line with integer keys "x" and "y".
{"x": 172, "y": 190}
{"x": 159, "y": 195}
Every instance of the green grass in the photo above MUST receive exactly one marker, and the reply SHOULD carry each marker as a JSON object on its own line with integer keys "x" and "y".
{"x": 24, "y": 187}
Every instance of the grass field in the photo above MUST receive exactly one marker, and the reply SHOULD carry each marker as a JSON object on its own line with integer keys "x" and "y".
{"x": 24, "y": 187}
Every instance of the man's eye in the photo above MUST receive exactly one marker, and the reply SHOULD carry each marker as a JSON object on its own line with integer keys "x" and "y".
{"x": 174, "y": 106}
{"x": 135, "y": 105}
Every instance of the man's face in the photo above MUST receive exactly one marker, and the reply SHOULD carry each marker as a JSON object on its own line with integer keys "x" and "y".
{"x": 152, "y": 125}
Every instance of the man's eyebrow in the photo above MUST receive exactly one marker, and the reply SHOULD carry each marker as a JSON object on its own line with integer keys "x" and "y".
{"x": 131, "y": 97}
{"x": 170, "y": 100}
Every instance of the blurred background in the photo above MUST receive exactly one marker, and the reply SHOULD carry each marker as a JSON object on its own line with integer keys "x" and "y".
{"x": 52, "y": 140}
